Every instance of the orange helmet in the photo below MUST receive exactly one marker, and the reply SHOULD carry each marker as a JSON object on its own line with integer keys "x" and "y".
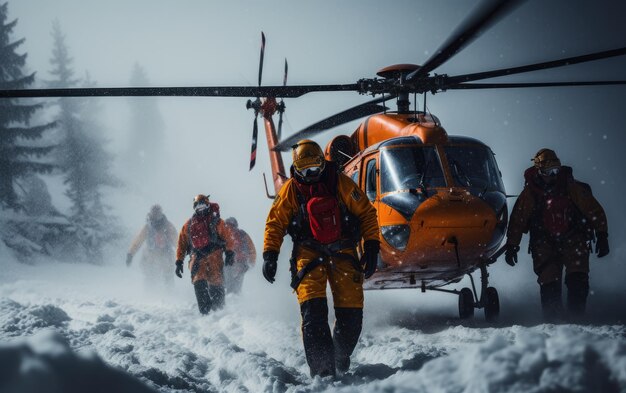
{"x": 308, "y": 159}
{"x": 201, "y": 202}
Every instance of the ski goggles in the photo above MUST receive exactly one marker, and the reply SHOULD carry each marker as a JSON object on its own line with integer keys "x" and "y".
{"x": 312, "y": 171}
{"x": 550, "y": 171}
{"x": 200, "y": 206}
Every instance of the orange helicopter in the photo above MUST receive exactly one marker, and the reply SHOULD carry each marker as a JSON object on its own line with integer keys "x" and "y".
{"x": 440, "y": 199}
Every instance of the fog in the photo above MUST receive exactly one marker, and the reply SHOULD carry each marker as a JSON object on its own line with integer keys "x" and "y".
{"x": 207, "y": 140}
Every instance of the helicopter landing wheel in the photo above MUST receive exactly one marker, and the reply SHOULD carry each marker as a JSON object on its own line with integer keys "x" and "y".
{"x": 492, "y": 304}
{"x": 466, "y": 303}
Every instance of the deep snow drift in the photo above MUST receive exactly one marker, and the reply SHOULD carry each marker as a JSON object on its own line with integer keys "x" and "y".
{"x": 254, "y": 343}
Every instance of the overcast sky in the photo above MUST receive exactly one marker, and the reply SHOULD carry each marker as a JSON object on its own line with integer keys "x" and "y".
{"x": 217, "y": 43}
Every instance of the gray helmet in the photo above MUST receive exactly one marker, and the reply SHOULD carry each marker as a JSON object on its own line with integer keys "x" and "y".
{"x": 232, "y": 221}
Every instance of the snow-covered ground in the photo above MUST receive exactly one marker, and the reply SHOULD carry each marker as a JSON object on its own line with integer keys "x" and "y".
{"x": 253, "y": 345}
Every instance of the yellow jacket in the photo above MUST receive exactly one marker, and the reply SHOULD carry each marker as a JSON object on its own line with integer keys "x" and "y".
{"x": 286, "y": 206}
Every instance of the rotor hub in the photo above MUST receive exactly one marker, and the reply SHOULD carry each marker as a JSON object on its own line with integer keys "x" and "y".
{"x": 397, "y": 70}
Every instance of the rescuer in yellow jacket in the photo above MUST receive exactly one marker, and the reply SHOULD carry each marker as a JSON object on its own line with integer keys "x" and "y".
{"x": 326, "y": 215}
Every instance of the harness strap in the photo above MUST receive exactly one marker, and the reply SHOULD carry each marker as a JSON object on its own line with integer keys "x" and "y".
{"x": 327, "y": 251}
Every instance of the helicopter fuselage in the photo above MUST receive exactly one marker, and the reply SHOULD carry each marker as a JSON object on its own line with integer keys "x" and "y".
{"x": 440, "y": 200}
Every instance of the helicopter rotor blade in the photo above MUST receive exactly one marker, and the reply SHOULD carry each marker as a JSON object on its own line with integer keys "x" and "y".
{"x": 198, "y": 91}
{"x": 280, "y": 114}
{"x": 261, "y": 57}
{"x": 356, "y": 112}
{"x": 455, "y": 80}
{"x": 479, "y": 20}
{"x": 471, "y": 86}
{"x": 255, "y": 132}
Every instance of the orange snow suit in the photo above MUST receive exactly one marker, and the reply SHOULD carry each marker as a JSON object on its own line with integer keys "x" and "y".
{"x": 159, "y": 250}
{"x": 245, "y": 252}
{"x": 245, "y": 258}
{"x": 205, "y": 267}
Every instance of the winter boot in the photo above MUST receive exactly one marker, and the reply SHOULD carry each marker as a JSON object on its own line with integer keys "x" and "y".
{"x": 577, "y": 291}
{"x": 217, "y": 296}
{"x": 202, "y": 295}
{"x": 346, "y": 335}
{"x": 318, "y": 343}
{"x": 551, "y": 303}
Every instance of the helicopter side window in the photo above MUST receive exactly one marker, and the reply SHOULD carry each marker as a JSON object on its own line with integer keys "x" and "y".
{"x": 355, "y": 177}
{"x": 410, "y": 168}
{"x": 370, "y": 180}
{"x": 474, "y": 167}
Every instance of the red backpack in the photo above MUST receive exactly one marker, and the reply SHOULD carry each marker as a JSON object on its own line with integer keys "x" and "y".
{"x": 203, "y": 228}
{"x": 557, "y": 214}
{"x": 322, "y": 208}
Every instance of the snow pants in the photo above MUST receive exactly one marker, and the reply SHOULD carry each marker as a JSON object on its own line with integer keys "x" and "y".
{"x": 209, "y": 297}
{"x": 233, "y": 276}
{"x": 327, "y": 353}
{"x": 346, "y": 283}
{"x": 549, "y": 260}
{"x": 156, "y": 267}
{"x": 208, "y": 268}
{"x": 208, "y": 280}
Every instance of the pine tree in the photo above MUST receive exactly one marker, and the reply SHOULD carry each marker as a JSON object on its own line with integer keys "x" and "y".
{"x": 82, "y": 158}
{"x": 145, "y": 154}
{"x": 21, "y": 152}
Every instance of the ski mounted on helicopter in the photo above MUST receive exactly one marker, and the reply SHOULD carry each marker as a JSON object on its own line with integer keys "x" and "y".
{"x": 440, "y": 199}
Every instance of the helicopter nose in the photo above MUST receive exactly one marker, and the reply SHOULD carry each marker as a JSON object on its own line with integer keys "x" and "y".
{"x": 452, "y": 228}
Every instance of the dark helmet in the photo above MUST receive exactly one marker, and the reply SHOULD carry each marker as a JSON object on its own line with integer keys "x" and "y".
{"x": 232, "y": 221}
{"x": 547, "y": 162}
{"x": 308, "y": 159}
{"x": 201, "y": 202}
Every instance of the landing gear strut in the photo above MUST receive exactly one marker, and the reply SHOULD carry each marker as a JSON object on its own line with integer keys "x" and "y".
{"x": 468, "y": 297}
{"x": 489, "y": 300}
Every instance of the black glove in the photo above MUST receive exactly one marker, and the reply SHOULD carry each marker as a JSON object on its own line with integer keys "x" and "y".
{"x": 129, "y": 259}
{"x": 230, "y": 258}
{"x": 510, "y": 255}
{"x": 179, "y": 269}
{"x": 602, "y": 244}
{"x": 269, "y": 265}
{"x": 369, "y": 259}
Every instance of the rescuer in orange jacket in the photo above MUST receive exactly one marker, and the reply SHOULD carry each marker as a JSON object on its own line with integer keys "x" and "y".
{"x": 563, "y": 218}
{"x": 159, "y": 235}
{"x": 326, "y": 215}
{"x": 245, "y": 257}
{"x": 205, "y": 237}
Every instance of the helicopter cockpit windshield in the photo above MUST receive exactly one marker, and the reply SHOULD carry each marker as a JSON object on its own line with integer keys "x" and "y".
{"x": 410, "y": 168}
{"x": 474, "y": 167}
